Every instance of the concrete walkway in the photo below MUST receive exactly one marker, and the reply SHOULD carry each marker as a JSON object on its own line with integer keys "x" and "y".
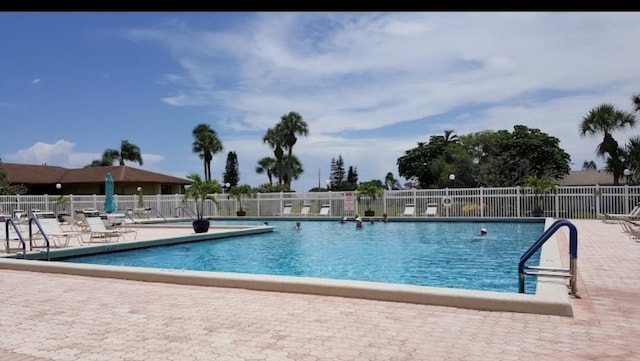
{"x": 59, "y": 317}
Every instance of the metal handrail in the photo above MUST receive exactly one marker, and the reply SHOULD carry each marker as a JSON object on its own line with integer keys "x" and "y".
{"x": 190, "y": 212}
{"x": 158, "y": 213}
{"x": 15, "y": 228}
{"x": 573, "y": 254}
{"x": 44, "y": 235}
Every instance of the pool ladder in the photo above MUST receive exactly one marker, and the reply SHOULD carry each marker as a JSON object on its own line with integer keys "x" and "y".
{"x": 570, "y": 273}
{"x": 23, "y": 243}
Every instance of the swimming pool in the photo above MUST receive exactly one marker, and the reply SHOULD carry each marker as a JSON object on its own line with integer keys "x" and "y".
{"x": 439, "y": 254}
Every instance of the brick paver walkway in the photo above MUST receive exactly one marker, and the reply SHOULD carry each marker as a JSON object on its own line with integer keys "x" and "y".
{"x": 58, "y": 317}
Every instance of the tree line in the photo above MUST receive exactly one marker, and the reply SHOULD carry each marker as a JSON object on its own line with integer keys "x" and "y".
{"x": 482, "y": 159}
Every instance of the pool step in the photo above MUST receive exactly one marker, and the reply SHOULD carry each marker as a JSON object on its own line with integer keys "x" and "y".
{"x": 547, "y": 271}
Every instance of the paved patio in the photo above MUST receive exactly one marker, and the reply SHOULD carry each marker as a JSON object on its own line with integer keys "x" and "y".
{"x": 61, "y": 317}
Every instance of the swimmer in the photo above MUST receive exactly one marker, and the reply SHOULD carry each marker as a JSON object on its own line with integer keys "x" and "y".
{"x": 483, "y": 232}
{"x": 297, "y": 226}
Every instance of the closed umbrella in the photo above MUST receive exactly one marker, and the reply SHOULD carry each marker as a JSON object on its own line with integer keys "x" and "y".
{"x": 109, "y": 203}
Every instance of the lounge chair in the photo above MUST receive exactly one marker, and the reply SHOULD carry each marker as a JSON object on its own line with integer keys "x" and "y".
{"x": 52, "y": 229}
{"x": 286, "y": 210}
{"x": 631, "y": 228}
{"x": 409, "y": 210}
{"x": 305, "y": 210}
{"x": 432, "y": 210}
{"x": 325, "y": 210}
{"x": 98, "y": 231}
{"x": 615, "y": 217}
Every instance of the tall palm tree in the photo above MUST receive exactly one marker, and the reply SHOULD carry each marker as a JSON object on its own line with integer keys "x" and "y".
{"x": 130, "y": 152}
{"x": 206, "y": 145}
{"x": 267, "y": 165}
{"x": 275, "y": 139}
{"x": 288, "y": 169}
{"x": 291, "y": 125}
{"x": 605, "y": 120}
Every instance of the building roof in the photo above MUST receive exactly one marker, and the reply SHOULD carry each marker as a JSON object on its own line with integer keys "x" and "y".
{"x": 47, "y": 174}
{"x": 589, "y": 178}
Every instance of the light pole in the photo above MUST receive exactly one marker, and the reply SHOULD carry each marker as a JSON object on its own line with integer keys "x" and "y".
{"x": 627, "y": 172}
{"x": 140, "y": 198}
{"x": 328, "y": 184}
{"x": 452, "y": 177}
{"x": 59, "y": 188}
{"x": 226, "y": 187}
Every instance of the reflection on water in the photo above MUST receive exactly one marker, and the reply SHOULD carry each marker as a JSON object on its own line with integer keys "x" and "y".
{"x": 443, "y": 254}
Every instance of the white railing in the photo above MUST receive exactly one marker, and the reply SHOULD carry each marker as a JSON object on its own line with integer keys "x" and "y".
{"x": 566, "y": 202}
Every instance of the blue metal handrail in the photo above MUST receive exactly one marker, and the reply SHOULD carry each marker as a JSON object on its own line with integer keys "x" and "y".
{"x": 573, "y": 253}
{"x": 33, "y": 220}
{"x": 190, "y": 212}
{"x": 18, "y": 233}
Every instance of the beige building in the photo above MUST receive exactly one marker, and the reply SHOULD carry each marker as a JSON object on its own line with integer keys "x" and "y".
{"x": 590, "y": 178}
{"x": 43, "y": 179}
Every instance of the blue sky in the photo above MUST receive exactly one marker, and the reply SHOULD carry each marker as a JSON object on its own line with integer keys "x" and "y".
{"x": 370, "y": 85}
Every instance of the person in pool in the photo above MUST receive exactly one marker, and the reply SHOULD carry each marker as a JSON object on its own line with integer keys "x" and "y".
{"x": 483, "y": 232}
{"x": 297, "y": 226}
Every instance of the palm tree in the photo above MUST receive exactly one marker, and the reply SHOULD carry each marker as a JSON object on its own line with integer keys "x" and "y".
{"x": 450, "y": 137}
{"x": 636, "y": 102}
{"x": 275, "y": 139}
{"x": 292, "y": 124}
{"x": 615, "y": 164}
{"x": 604, "y": 120}
{"x": 206, "y": 144}
{"x": 391, "y": 182}
{"x": 130, "y": 152}
{"x": 108, "y": 157}
{"x": 266, "y": 165}
{"x": 288, "y": 169}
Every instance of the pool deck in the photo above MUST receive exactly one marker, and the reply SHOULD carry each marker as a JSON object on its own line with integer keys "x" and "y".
{"x": 49, "y": 316}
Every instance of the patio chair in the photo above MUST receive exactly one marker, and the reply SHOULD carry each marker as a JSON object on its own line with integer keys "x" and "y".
{"x": 286, "y": 210}
{"x": 615, "y": 217}
{"x": 52, "y": 229}
{"x": 99, "y": 232}
{"x": 432, "y": 210}
{"x": 409, "y": 210}
{"x": 305, "y": 209}
{"x": 325, "y": 210}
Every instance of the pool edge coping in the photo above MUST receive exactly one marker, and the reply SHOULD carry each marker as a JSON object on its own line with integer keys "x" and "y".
{"x": 551, "y": 296}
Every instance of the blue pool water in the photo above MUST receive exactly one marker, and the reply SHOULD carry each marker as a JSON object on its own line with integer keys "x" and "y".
{"x": 440, "y": 254}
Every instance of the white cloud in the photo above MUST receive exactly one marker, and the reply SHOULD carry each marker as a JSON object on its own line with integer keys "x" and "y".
{"x": 40, "y": 153}
{"x": 35, "y": 81}
{"x": 61, "y": 154}
{"x": 349, "y": 72}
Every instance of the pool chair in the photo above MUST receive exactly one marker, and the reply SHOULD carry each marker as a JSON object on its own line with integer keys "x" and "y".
{"x": 286, "y": 210}
{"x": 432, "y": 210}
{"x": 325, "y": 210}
{"x": 51, "y": 228}
{"x": 99, "y": 232}
{"x": 305, "y": 209}
{"x": 634, "y": 214}
{"x": 409, "y": 210}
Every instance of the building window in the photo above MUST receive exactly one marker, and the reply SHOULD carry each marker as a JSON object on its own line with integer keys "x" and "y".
{"x": 165, "y": 189}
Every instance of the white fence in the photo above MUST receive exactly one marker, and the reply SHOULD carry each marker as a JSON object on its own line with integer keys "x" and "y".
{"x": 565, "y": 202}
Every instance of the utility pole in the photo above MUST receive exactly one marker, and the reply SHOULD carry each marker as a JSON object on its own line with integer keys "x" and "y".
{"x": 318, "y": 177}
